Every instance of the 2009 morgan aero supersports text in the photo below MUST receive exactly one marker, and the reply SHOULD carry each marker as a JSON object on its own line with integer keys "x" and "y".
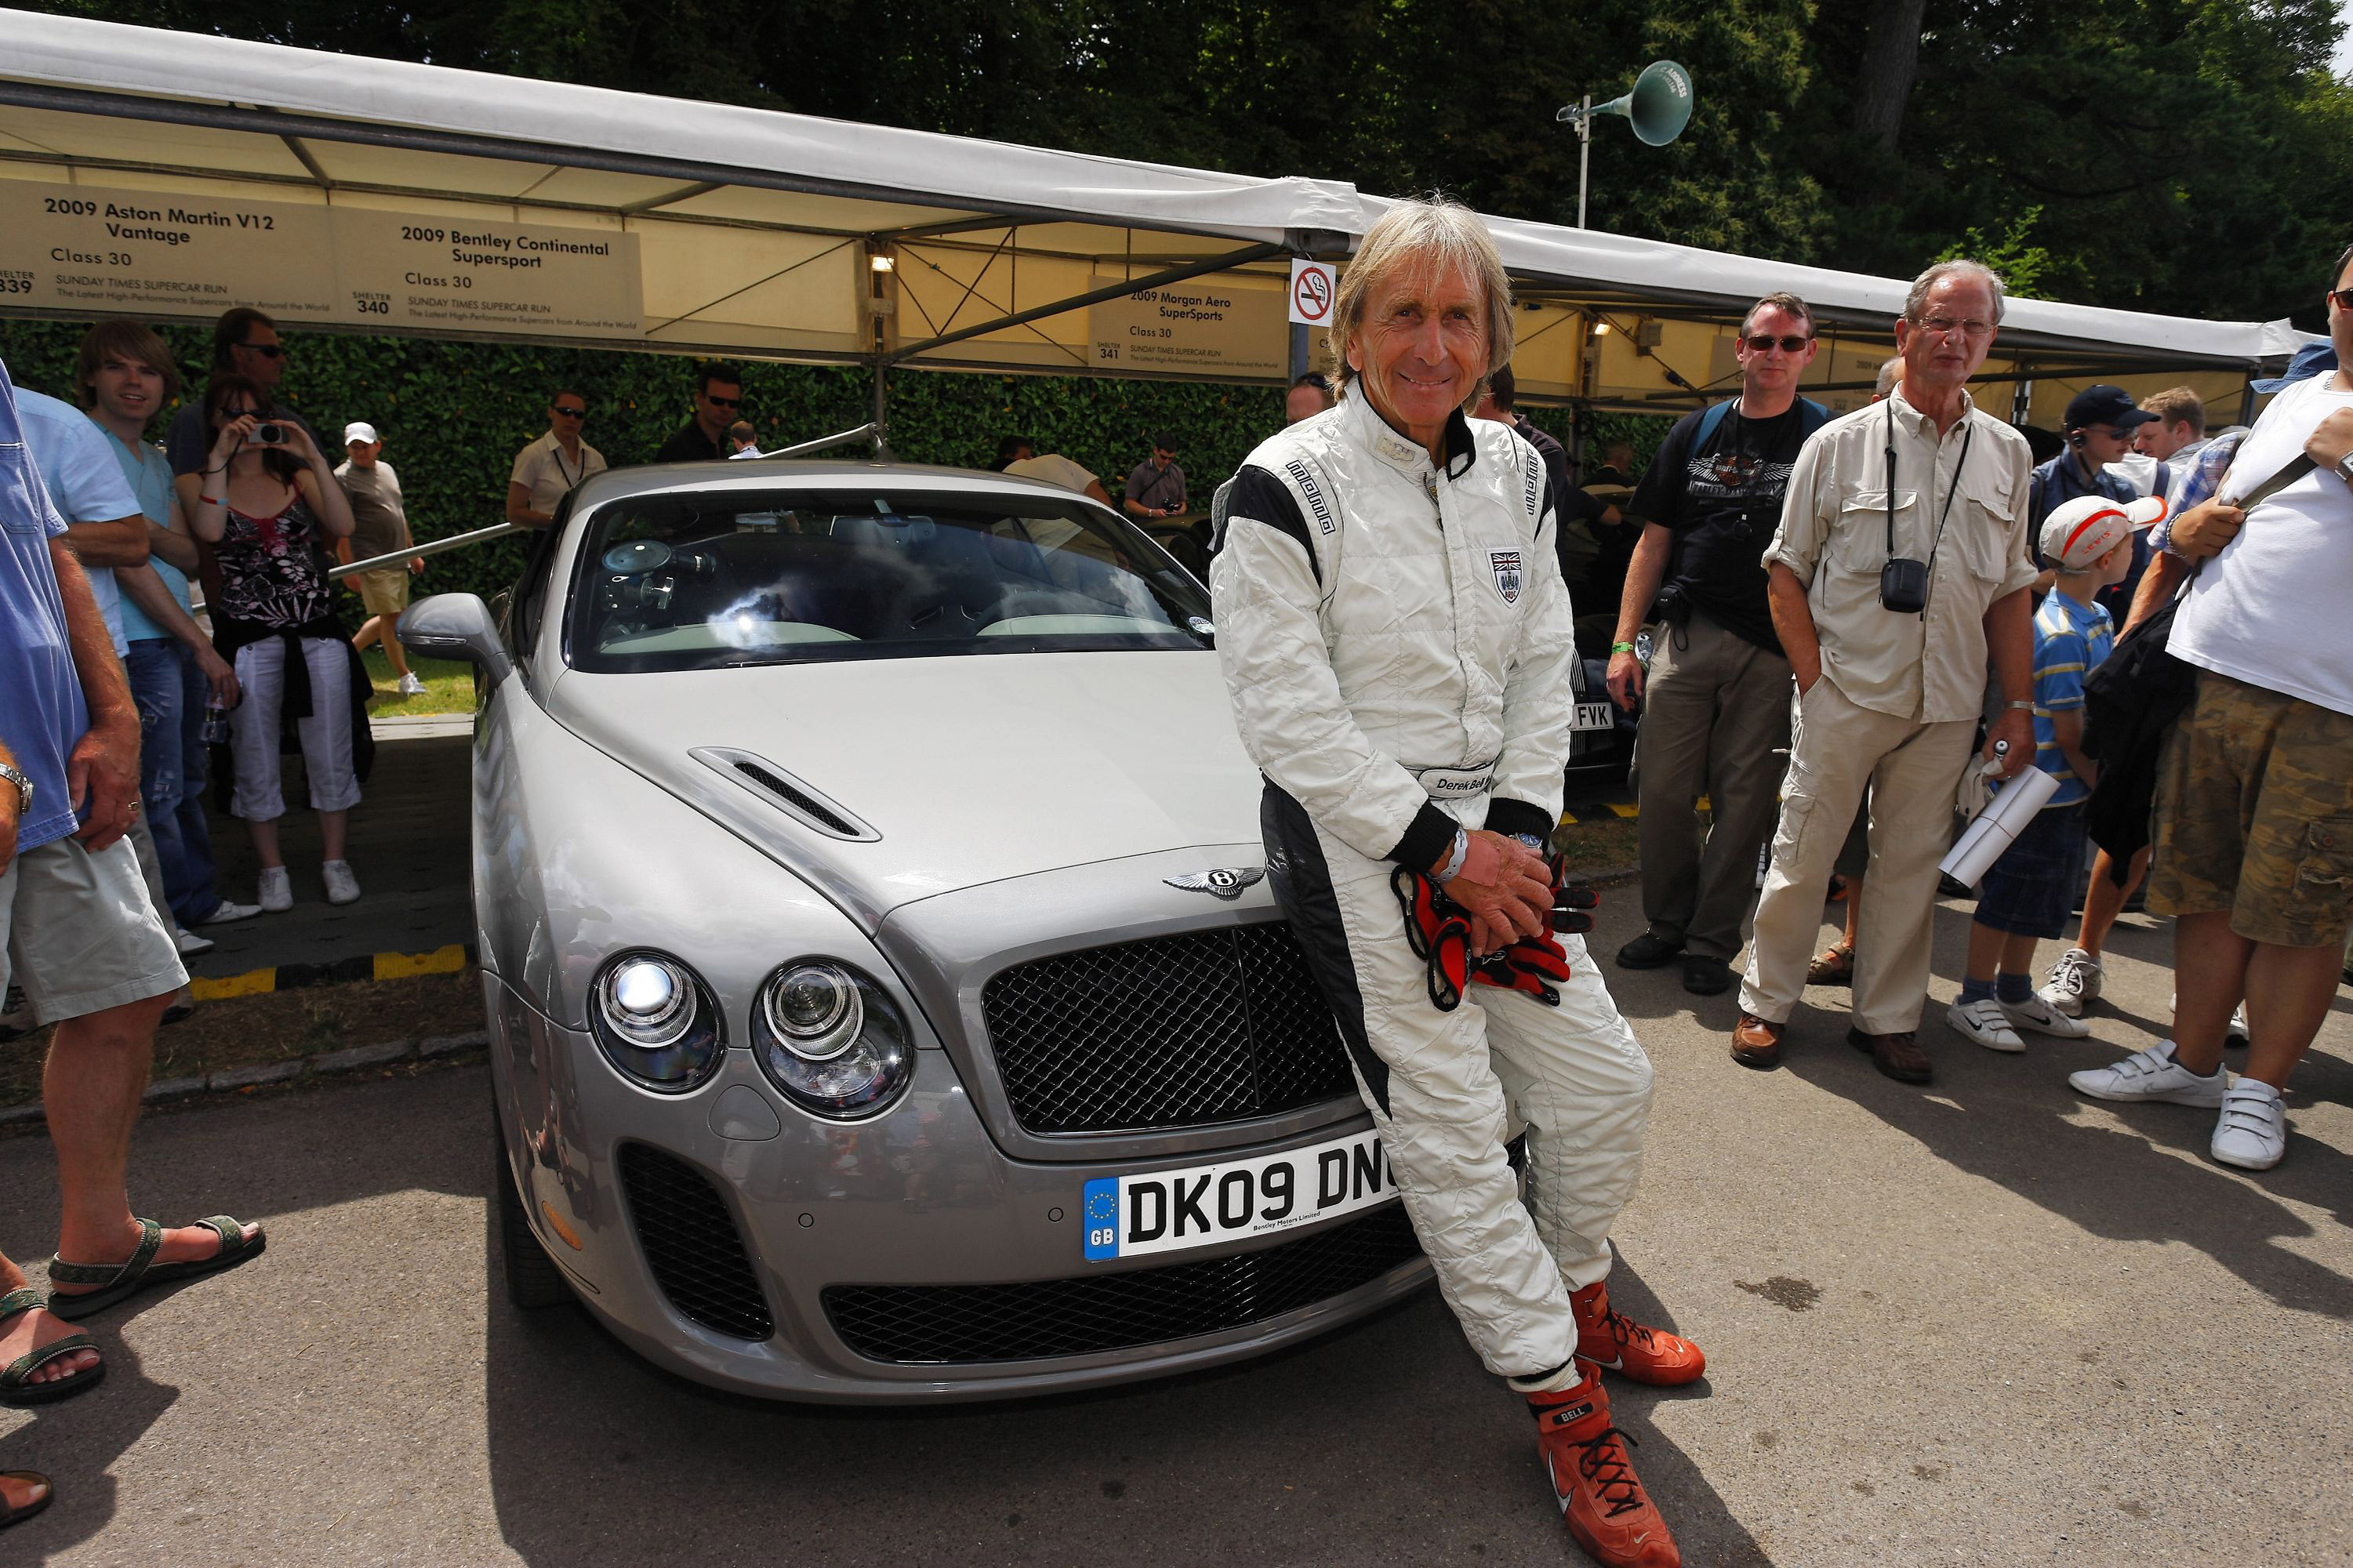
{"x": 886, "y": 1000}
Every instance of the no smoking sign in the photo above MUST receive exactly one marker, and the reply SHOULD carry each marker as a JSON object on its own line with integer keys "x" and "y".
{"x": 1312, "y": 285}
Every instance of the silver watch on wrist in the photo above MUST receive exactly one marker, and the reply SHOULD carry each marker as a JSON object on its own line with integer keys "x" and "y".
{"x": 23, "y": 790}
{"x": 2345, "y": 467}
{"x": 1453, "y": 866}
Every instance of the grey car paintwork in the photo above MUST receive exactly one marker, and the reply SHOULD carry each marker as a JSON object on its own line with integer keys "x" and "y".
{"x": 578, "y": 856}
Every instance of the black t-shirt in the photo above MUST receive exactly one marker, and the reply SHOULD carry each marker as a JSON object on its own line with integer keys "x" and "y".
{"x": 1723, "y": 503}
{"x": 690, "y": 444}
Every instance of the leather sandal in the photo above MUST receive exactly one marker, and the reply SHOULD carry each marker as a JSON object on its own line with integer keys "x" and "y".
{"x": 121, "y": 1281}
{"x": 1833, "y": 967}
{"x": 19, "y": 1514}
{"x": 16, "y": 1387}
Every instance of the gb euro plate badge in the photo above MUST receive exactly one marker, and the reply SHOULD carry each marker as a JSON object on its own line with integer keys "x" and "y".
{"x": 1176, "y": 1211}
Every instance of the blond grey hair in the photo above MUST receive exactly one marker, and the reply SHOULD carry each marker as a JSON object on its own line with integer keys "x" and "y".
{"x": 1916, "y": 299}
{"x": 1438, "y": 232}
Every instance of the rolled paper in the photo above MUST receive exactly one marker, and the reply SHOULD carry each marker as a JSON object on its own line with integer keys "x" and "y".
{"x": 1996, "y": 828}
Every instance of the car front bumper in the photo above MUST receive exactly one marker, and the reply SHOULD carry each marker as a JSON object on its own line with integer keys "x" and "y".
{"x": 911, "y": 1204}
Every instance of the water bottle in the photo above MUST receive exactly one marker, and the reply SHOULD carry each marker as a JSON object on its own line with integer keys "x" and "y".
{"x": 215, "y": 732}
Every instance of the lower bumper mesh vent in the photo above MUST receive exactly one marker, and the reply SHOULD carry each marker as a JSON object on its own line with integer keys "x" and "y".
{"x": 691, "y": 1244}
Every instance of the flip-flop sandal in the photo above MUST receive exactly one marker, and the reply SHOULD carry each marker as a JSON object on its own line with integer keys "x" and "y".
{"x": 121, "y": 1281}
{"x": 16, "y": 1385}
{"x": 49, "y": 1495}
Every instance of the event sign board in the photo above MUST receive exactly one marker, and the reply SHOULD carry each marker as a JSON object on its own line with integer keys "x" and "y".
{"x": 1209, "y": 326}
{"x": 109, "y": 252}
{"x": 100, "y": 252}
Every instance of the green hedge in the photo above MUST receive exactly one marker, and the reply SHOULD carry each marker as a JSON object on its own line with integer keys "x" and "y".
{"x": 453, "y": 415}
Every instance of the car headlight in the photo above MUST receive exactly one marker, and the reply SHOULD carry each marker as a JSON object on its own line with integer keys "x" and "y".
{"x": 831, "y": 1038}
{"x": 655, "y": 1022}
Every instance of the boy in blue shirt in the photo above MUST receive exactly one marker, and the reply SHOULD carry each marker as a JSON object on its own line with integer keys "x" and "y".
{"x": 2030, "y": 891}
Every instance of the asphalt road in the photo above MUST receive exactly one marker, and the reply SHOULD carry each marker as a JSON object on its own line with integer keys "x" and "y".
{"x": 1983, "y": 1323}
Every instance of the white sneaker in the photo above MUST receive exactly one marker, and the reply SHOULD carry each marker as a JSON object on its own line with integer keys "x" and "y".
{"x": 2037, "y": 1014}
{"x": 1983, "y": 1022}
{"x": 2253, "y": 1131}
{"x": 2074, "y": 983}
{"x": 225, "y": 912}
{"x": 342, "y": 888}
{"x": 15, "y": 1014}
{"x": 2152, "y": 1074}
{"x": 410, "y": 686}
{"x": 2236, "y": 1032}
{"x": 189, "y": 942}
{"x": 277, "y": 892}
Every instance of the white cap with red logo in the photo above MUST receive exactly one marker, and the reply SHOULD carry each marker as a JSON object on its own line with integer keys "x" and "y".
{"x": 2078, "y": 532}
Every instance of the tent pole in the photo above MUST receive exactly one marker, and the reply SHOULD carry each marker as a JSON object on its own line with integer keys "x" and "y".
{"x": 881, "y": 423}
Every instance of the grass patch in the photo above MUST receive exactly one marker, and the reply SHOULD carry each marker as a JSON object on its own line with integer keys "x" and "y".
{"x": 448, "y": 686}
{"x": 278, "y": 1026}
{"x": 1598, "y": 843}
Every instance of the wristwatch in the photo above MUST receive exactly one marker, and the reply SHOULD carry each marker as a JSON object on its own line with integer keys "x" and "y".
{"x": 2027, "y": 707}
{"x": 2345, "y": 467}
{"x": 23, "y": 790}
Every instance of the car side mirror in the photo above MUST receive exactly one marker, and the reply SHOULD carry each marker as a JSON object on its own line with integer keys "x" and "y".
{"x": 456, "y": 625}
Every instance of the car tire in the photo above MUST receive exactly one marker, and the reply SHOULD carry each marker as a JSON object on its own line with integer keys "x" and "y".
{"x": 532, "y": 1279}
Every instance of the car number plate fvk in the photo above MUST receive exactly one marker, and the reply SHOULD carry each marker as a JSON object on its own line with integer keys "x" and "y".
{"x": 1595, "y": 716}
{"x": 1176, "y": 1211}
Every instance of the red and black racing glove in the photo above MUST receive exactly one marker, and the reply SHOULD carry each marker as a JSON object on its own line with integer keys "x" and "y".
{"x": 1438, "y": 931}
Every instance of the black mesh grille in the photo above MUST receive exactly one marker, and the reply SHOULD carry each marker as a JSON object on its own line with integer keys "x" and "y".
{"x": 1175, "y": 1031}
{"x": 1051, "y": 1318}
{"x": 800, "y": 799}
{"x": 691, "y": 1244}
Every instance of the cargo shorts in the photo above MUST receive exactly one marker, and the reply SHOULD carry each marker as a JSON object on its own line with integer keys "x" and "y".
{"x": 2254, "y": 816}
{"x": 79, "y": 933}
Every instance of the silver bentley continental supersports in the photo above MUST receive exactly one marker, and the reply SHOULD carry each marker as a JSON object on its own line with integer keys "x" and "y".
{"x": 885, "y": 998}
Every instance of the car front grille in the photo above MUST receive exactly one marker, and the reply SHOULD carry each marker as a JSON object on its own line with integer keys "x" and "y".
{"x": 1174, "y": 1031}
{"x": 691, "y": 1246}
{"x": 1041, "y": 1320}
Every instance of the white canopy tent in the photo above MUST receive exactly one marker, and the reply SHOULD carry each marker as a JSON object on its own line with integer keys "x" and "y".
{"x": 169, "y": 176}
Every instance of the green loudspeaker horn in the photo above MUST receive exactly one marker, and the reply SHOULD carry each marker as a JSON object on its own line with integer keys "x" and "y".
{"x": 1659, "y": 106}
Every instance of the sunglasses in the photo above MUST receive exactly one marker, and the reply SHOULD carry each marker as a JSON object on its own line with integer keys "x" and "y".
{"x": 267, "y": 350}
{"x": 723, "y": 402}
{"x": 2341, "y": 297}
{"x": 563, "y": 413}
{"x": 1790, "y": 345}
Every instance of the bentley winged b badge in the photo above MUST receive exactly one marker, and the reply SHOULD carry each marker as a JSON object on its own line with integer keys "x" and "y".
{"x": 1224, "y": 882}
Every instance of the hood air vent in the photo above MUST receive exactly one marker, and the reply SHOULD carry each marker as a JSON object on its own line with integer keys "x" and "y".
{"x": 782, "y": 790}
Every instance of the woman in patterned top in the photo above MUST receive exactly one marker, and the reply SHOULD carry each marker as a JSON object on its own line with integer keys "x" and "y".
{"x": 268, "y": 503}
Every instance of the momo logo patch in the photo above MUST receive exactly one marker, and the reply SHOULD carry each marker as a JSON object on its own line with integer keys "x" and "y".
{"x": 1311, "y": 492}
{"x": 1505, "y": 564}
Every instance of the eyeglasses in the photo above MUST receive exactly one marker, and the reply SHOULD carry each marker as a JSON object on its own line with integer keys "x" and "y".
{"x": 267, "y": 350}
{"x": 563, "y": 413}
{"x": 1789, "y": 345}
{"x": 2341, "y": 297}
{"x": 1945, "y": 327}
{"x": 723, "y": 402}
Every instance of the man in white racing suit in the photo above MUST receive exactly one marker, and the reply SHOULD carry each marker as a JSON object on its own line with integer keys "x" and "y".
{"x": 1396, "y": 639}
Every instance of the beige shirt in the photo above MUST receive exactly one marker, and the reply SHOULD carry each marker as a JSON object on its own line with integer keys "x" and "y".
{"x": 1932, "y": 666}
{"x": 544, "y": 471}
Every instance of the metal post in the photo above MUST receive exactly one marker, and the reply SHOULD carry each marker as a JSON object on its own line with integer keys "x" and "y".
{"x": 881, "y": 424}
{"x": 2247, "y": 398}
{"x": 1584, "y": 152}
{"x": 1302, "y": 348}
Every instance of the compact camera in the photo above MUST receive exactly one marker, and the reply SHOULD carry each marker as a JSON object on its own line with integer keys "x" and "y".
{"x": 1903, "y": 585}
{"x": 270, "y": 434}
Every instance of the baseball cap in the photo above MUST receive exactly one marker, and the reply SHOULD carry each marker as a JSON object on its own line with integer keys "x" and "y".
{"x": 2078, "y": 532}
{"x": 2309, "y": 361}
{"x": 359, "y": 430}
{"x": 2104, "y": 404}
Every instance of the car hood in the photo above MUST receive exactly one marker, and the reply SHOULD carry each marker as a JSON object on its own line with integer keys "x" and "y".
{"x": 967, "y": 769}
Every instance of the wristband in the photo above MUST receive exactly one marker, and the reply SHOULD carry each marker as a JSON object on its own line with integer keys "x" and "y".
{"x": 1622, "y": 647}
{"x": 208, "y": 500}
{"x": 1453, "y": 866}
{"x": 2027, "y": 707}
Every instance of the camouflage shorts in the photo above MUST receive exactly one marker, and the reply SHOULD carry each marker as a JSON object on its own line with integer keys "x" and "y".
{"x": 2255, "y": 817}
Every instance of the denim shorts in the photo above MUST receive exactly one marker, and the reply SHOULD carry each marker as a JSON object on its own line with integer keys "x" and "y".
{"x": 2032, "y": 889}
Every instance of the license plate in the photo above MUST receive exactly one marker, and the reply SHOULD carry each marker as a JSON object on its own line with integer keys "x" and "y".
{"x": 1595, "y": 716}
{"x": 1176, "y": 1211}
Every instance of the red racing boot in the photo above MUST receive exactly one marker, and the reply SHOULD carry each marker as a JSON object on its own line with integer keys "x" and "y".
{"x": 1604, "y": 1506}
{"x": 1619, "y": 1345}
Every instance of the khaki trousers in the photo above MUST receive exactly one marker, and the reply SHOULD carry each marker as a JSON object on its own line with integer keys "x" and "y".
{"x": 1715, "y": 719}
{"x": 1912, "y": 770}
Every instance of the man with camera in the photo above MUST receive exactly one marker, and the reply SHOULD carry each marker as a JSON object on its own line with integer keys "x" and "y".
{"x": 1718, "y": 713}
{"x": 1901, "y": 564}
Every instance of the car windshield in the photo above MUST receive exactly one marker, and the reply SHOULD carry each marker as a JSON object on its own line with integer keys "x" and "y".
{"x": 724, "y": 577}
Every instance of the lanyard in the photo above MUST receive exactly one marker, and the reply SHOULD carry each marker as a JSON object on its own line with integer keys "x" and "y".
{"x": 555, "y": 450}
{"x": 1969, "y": 434}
